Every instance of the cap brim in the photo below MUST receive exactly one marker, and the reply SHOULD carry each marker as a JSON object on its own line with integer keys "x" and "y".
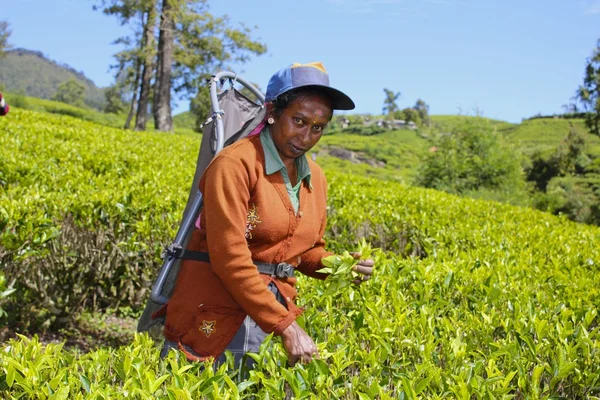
{"x": 339, "y": 100}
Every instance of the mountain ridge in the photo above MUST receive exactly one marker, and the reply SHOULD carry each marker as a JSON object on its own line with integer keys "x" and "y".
{"x": 34, "y": 74}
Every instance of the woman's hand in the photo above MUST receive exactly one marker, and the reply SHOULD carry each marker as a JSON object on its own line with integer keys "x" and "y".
{"x": 298, "y": 345}
{"x": 364, "y": 267}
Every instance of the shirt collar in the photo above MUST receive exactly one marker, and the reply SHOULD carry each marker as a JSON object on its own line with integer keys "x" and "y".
{"x": 273, "y": 162}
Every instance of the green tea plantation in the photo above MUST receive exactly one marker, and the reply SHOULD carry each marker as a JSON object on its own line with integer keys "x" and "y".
{"x": 470, "y": 299}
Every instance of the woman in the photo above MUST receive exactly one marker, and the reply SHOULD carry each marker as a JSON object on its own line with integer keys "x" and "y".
{"x": 265, "y": 216}
{"x": 3, "y": 106}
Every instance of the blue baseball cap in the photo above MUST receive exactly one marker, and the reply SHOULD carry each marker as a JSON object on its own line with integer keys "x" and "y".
{"x": 299, "y": 75}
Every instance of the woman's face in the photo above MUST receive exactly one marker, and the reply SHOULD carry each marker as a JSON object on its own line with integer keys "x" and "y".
{"x": 300, "y": 126}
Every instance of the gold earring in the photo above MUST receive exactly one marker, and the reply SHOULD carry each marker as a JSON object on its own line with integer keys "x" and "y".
{"x": 270, "y": 121}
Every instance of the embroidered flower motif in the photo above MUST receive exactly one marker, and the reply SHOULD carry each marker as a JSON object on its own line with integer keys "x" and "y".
{"x": 208, "y": 327}
{"x": 251, "y": 221}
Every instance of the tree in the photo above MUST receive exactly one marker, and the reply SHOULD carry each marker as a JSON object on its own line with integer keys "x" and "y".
{"x": 410, "y": 114}
{"x": 114, "y": 100}
{"x": 135, "y": 64}
{"x": 70, "y": 92}
{"x": 192, "y": 44}
{"x": 389, "y": 102}
{"x": 200, "y": 46}
{"x": 4, "y": 35}
{"x": 589, "y": 93}
{"x": 128, "y": 76}
{"x": 147, "y": 63}
{"x": 162, "y": 91}
{"x": 423, "y": 109}
{"x": 569, "y": 159}
{"x": 471, "y": 158}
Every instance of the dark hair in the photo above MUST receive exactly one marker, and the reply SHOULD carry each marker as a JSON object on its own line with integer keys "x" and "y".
{"x": 282, "y": 101}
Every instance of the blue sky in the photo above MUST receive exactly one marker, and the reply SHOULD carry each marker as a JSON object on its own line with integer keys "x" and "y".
{"x": 505, "y": 59}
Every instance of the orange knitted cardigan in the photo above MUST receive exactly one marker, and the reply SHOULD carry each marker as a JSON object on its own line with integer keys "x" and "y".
{"x": 248, "y": 216}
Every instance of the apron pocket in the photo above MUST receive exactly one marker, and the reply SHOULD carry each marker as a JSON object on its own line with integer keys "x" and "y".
{"x": 212, "y": 329}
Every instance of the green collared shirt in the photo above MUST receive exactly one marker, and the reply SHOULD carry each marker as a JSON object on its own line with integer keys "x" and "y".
{"x": 273, "y": 163}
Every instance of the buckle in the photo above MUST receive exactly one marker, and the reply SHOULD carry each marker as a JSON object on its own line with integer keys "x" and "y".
{"x": 172, "y": 251}
{"x": 284, "y": 270}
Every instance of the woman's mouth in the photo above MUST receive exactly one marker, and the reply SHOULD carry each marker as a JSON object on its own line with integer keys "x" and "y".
{"x": 297, "y": 150}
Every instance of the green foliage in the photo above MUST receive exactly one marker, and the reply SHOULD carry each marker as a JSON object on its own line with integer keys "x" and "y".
{"x": 4, "y": 292}
{"x": 589, "y": 92}
{"x": 363, "y": 130}
{"x": 200, "y": 107}
{"x": 570, "y": 158}
{"x": 390, "y": 105}
{"x": 391, "y": 155}
{"x": 567, "y": 180}
{"x": 184, "y": 120}
{"x": 114, "y": 100}
{"x": 19, "y": 100}
{"x": 54, "y": 107}
{"x": 470, "y": 158}
{"x": 469, "y": 299}
{"x": 410, "y": 114}
{"x": 419, "y": 113}
{"x": 573, "y": 197}
{"x": 423, "y": 110}
{"x": 4, "y": 35}
{"x": 70, "y": 92}
{"x": 82, "y": 231}
{"x": 33, "y": 74}
{"x": 505, "y": 304}
{"x": 340, "y": 268}
{"x": 448, "y": 123}
{"x": 206, "y": 44}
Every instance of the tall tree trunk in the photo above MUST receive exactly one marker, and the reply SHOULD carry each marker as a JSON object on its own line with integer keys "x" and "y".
{"x": 134, "y": 99}
{"x": 148, "y": 51}
{"x": 162, "y": 91}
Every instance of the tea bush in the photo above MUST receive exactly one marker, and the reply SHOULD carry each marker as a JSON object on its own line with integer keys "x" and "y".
{"x": 470, "y": 299}
{"x": 87, "y": 210}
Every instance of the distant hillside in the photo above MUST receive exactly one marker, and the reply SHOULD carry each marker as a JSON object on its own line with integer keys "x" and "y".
{"x": 32, "y": 73}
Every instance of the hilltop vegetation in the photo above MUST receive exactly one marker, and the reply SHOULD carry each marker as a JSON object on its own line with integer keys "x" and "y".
{"x": 32, "y": 74}
{"x": 470, "y": 299}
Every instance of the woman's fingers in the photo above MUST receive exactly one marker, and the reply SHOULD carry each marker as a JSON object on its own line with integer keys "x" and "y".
{"x": 367, "y": 263}
{"x": 363, "y": 269}
{"x": 298, "y": 345}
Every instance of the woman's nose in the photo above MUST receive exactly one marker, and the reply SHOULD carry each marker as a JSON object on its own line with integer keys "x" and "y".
{"x": 304, "y": 135}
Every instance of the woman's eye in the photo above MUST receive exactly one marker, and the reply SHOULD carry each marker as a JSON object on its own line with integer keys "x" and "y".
{"x": 298, "y": 121}
{"x": 318, "y": 128}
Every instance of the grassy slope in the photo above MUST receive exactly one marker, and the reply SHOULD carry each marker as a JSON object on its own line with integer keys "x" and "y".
{"x": 544, "y": 135}
{"x": 530, "y": 136}
{"x": 399, "y": 150}
{"x": 87, "y": 114}
{"x": 33, "y": 74}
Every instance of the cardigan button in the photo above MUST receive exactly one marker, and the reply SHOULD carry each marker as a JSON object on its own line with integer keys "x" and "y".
{"x": 300, "y": 213}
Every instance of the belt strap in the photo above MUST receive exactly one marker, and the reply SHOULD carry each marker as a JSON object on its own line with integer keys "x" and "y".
{"x": 281, "y": 270}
